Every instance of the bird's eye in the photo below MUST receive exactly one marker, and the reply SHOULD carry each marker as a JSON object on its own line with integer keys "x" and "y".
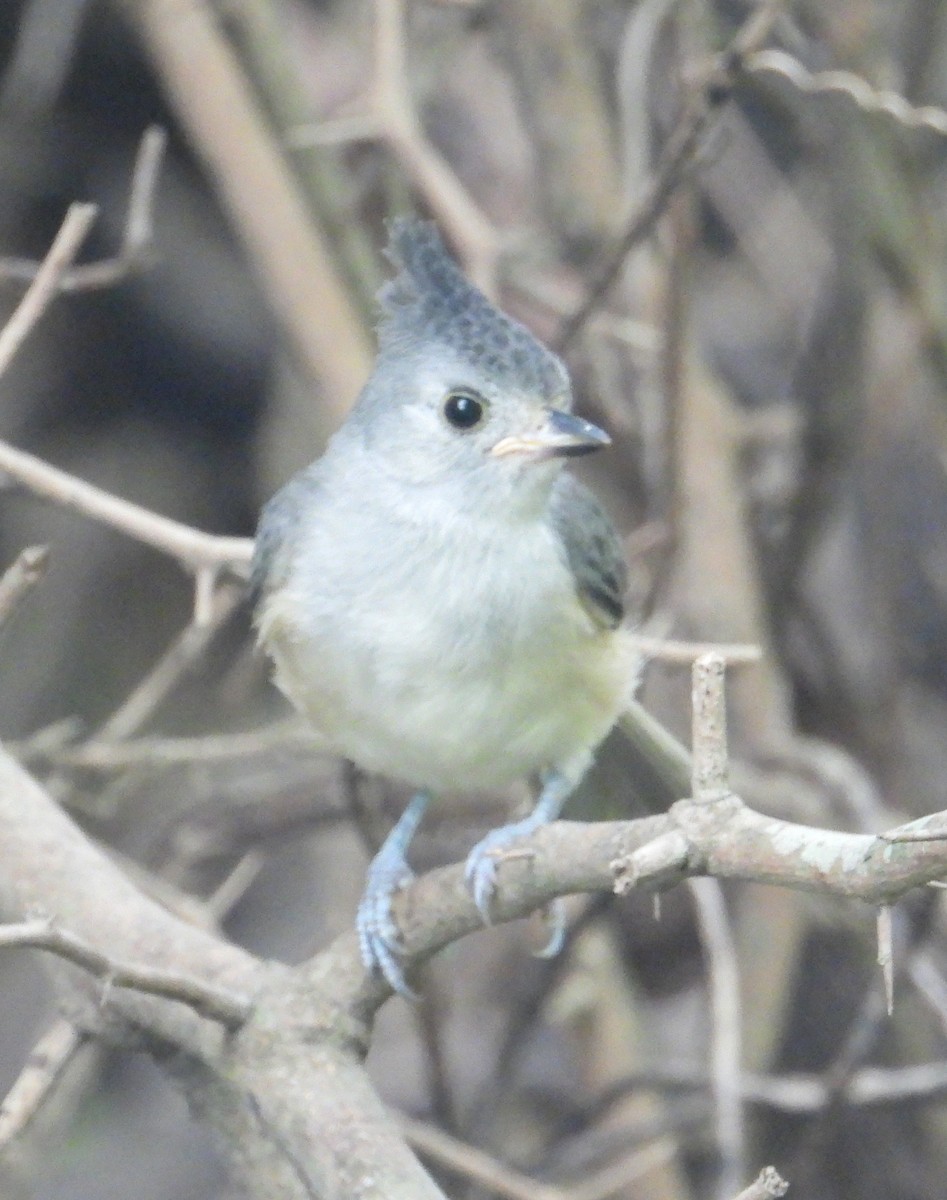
{"x": 464, "y": 410}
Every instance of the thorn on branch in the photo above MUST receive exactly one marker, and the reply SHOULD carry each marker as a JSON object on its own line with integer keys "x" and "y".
{"x": 886, "y": 953}
{"x": 657, "y": 863}
{"x": 930, "y": 828}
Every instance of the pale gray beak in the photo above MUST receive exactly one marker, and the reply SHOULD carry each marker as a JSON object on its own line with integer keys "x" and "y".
{"x": 559, "y": 435}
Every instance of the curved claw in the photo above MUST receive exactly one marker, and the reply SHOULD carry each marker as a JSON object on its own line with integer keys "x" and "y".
{"x": 480, "y": 870}
{"x": 378, "y": 937}
{"x": 556, "y": 923}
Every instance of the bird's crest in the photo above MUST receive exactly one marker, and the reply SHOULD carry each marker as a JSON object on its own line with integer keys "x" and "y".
{"x": 430, "y": 301}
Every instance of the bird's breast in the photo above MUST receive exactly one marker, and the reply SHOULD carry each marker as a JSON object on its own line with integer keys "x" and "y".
{"x": 468, "y": 664}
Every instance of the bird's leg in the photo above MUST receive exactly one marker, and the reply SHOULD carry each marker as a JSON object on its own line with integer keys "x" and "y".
{"x": 378, "y": 936}
{"x": 482, "y": 862}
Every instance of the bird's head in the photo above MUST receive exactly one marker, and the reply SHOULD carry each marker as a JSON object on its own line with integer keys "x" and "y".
{"x": 462, "y": 395}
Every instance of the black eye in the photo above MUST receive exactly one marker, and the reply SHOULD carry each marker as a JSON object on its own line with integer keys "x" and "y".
{"x": 464, "y": 410}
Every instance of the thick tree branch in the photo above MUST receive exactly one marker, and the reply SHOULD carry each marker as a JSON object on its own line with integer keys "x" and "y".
{"x": 50, "y": 867}
{"x": 287, "y": 1092}
{"x": 723, "y": 838}
{"x": 276, "y": 1088}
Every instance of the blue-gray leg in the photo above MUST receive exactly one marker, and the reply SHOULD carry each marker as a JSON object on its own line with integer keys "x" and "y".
{"x": 378, "y": 936}
{"x": 482, "y": 862}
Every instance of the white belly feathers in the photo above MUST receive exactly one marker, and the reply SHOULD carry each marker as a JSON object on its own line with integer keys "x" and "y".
{"x": 460, "y": 691}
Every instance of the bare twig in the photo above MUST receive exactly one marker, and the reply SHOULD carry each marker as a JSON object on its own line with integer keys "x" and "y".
{"x": 726, "y": 1039}
{"x": 677, "y": 159}
{"x": 47, "y": 1062}
{"x": 670, "y": 651}
{"x": 181, "y": 655}
{"x": 231, "y": 890}
{"x": 111, "y": 755}
{"x": 45, "y": 286}
{"x": 226, "y": 124}
{"x": 137, "y": 248}
{"x": 485, "y": 1170}
{"x": 27, "y": 569}
{"x": 930, "y": 828}
{"x": 798, "y": 1094}
{"x": 768, "y": 1185}
{"x": 227, "y": 1007}
{"x": 926, "y": 975}
{"x": 854, "y": 87}
{"x": 709, "y": 775}
{"x": 392, "y": 118}
{"x": 618, "y": 1178}
{"x": 190, "y": 546}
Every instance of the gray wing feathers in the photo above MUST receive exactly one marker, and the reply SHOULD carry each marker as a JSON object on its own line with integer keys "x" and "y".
{"x": 276, "y": 533}
{"x": 593, "y": 550}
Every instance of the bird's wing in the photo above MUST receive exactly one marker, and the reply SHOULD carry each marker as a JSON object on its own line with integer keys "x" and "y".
{"x": 592, "y": 549}
{"x": 277, "y": 531}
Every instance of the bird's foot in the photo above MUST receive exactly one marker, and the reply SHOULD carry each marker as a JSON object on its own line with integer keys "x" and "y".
{"x": 379, "y": 938}
{"x": 484, "y": 859}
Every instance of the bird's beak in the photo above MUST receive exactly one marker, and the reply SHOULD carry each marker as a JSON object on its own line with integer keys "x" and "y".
{"x": 560, "y": 435}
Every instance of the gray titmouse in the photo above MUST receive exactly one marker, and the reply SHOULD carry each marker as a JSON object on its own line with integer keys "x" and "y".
{"x": 440, "y": 598}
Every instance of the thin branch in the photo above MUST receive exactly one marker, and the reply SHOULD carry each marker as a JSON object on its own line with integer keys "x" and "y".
{"x": 930, "y": 828}
{"x": 180, "y": 656}
{"x": 45, "y": 1066}
{"x": 483, "y": 1169}
{"x": 710, "y": 770}
{"x": 677, "y": 159}
{"x": 392, "y": 105}
{"x": 768, "y": 1185}
{"x": 220, "y": 1004}
{"x": 109, "y": 755}
{"x": 137, "y": 241}
{"x": 392, "y": 119}
{"x": 726, "y": 1041}
{"x": 619, "y": 1177}
{"x": 26, "y": 570}
{"x": 671, "y": 651}
{"x": 222, "y": 116}
{"x": 193, "y": 548}
{"x": 796, "y": 1094}
{"x": 928, "y": 978}
{"x": 45, "y": 286}
{"x": 854, "y": 87}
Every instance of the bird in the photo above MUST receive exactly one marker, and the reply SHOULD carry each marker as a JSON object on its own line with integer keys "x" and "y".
{"x": 439, "y": 597}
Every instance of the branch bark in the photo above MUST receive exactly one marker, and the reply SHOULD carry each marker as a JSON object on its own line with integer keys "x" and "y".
{"x": 287, "y": 1091}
